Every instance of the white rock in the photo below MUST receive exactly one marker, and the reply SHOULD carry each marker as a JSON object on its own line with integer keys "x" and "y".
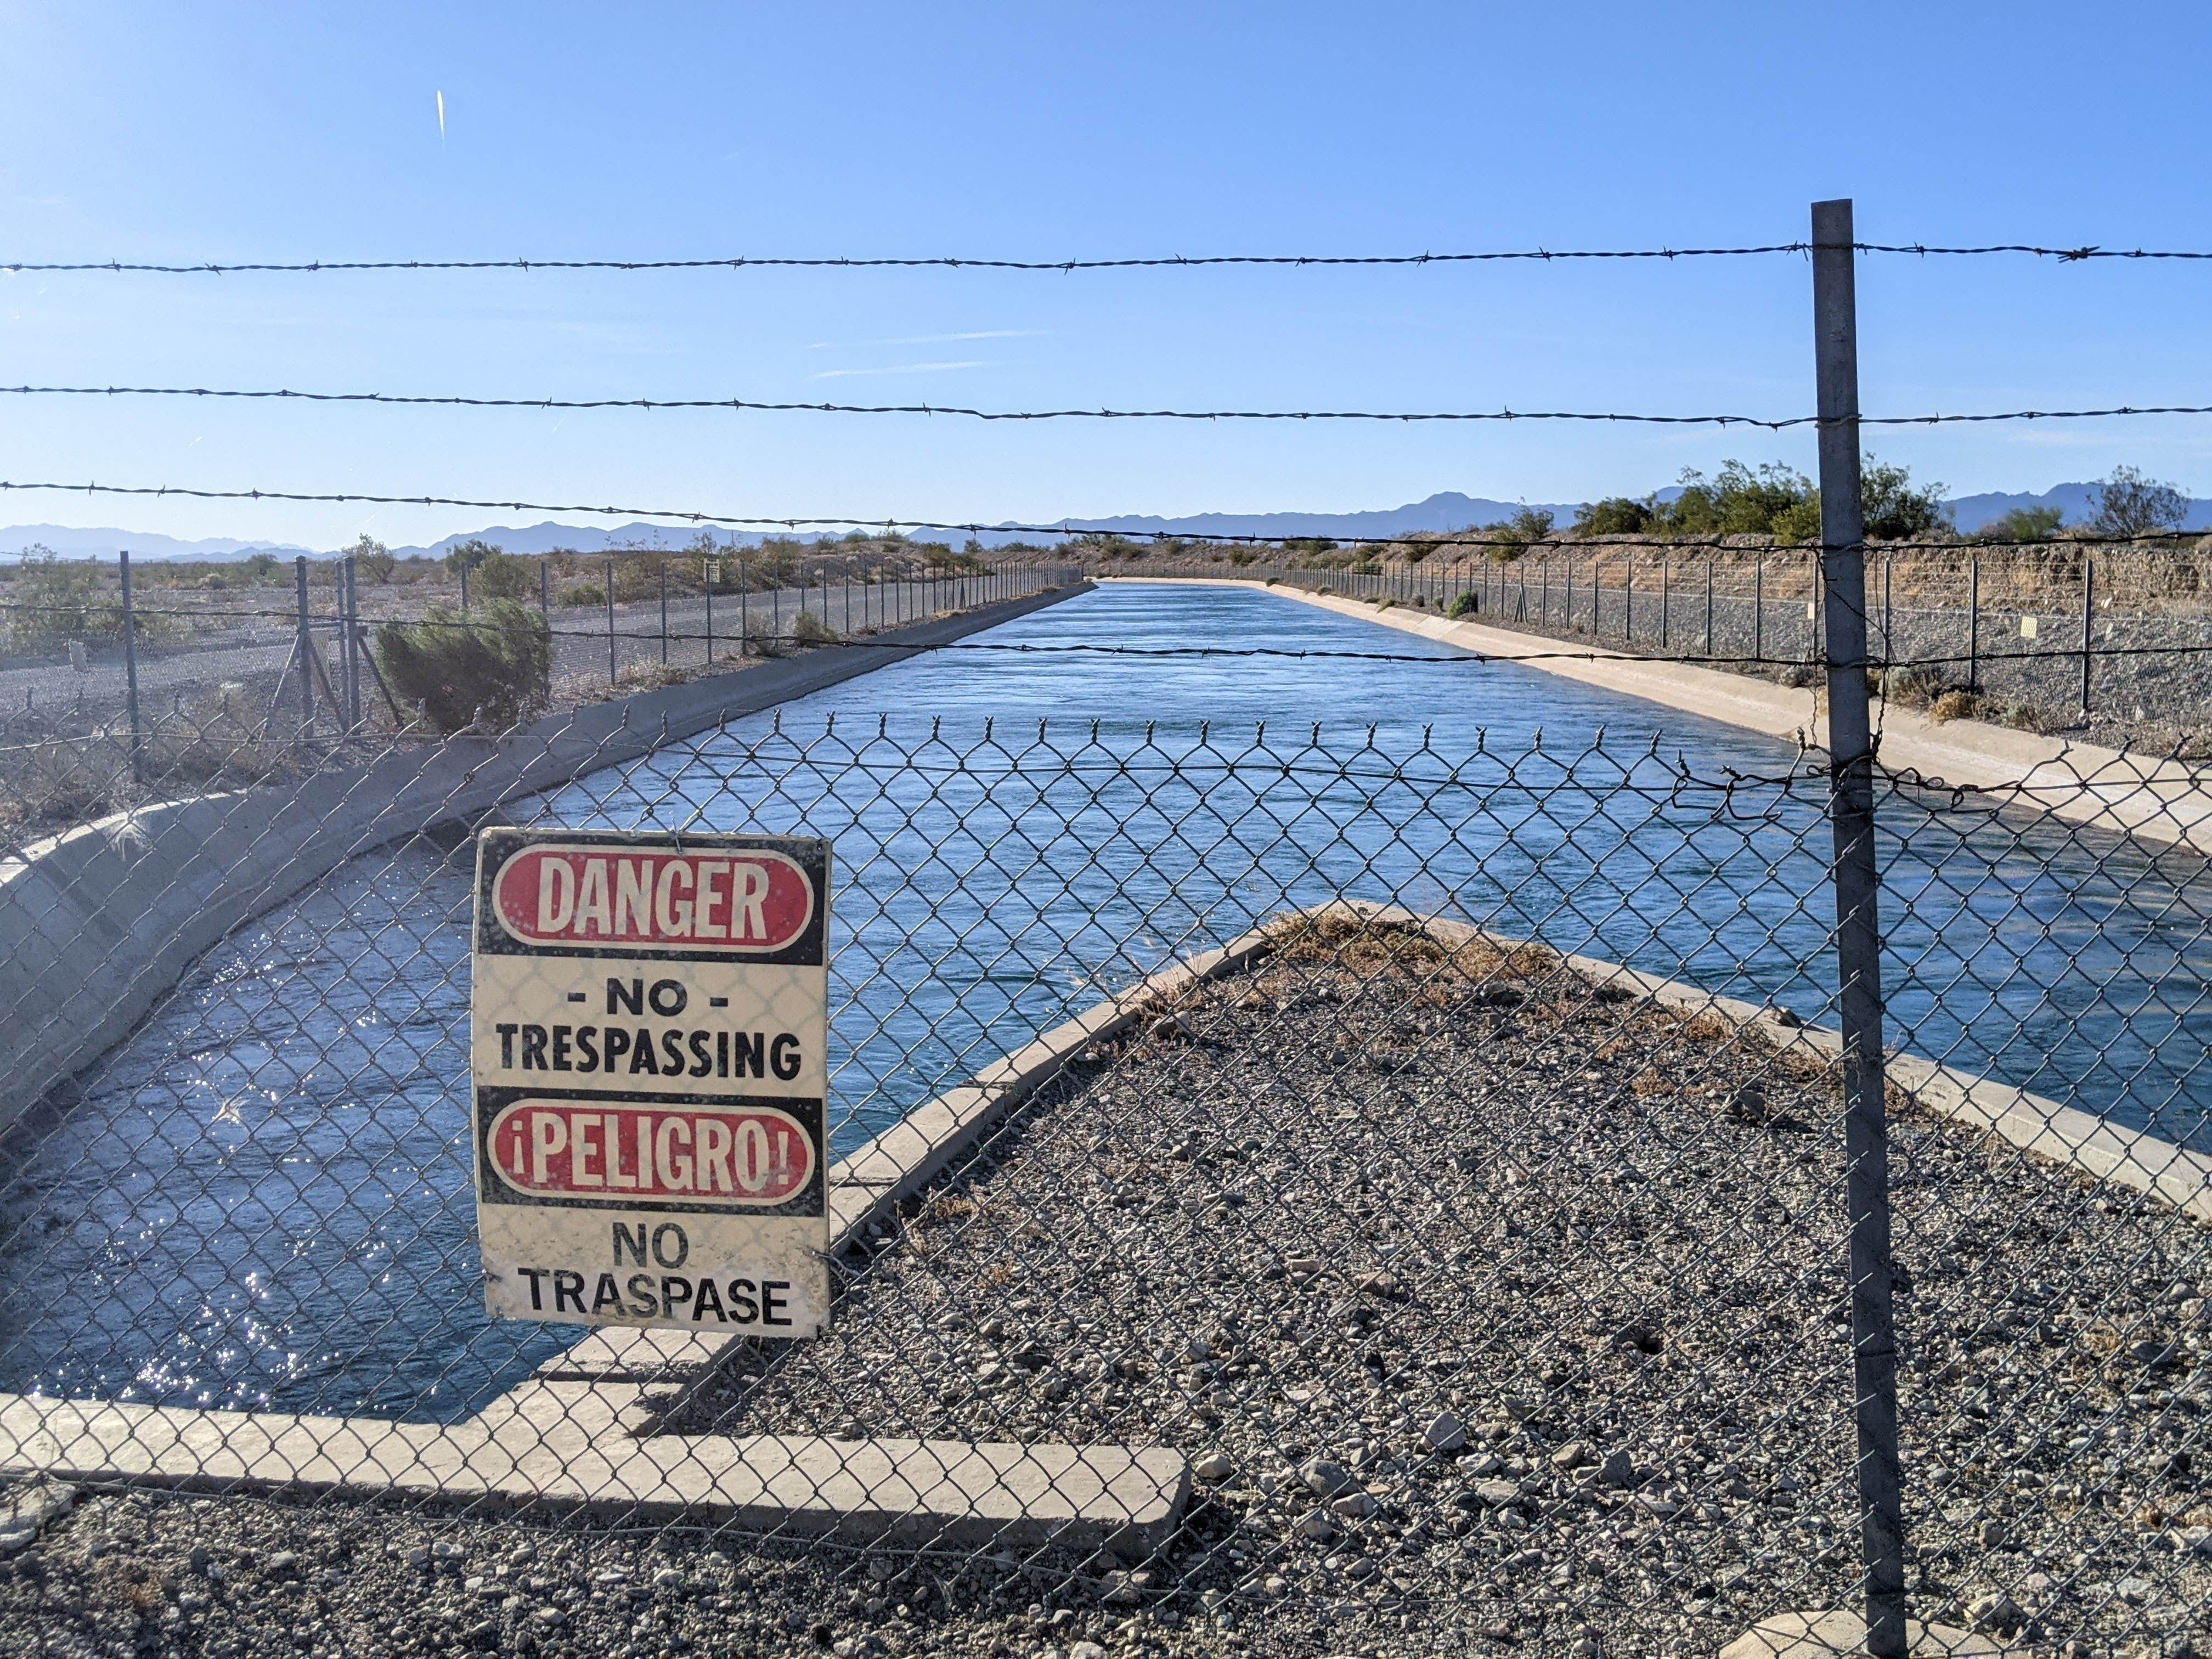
{"x": 30, "y": 1507}
{"x": 1446, "y": 1434}
{"x": 1324, "y": 1478}
{"x": 1995, "y": 1612}
{"x": 1213, "y": 1468}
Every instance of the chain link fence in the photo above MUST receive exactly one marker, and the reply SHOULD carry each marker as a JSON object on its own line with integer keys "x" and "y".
{"x": 1393, "y": 1199}
{"x": 308, "y": 690}
{"x": 2065, "y": 635}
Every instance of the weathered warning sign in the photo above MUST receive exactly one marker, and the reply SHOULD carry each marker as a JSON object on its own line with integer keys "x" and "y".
{"x": 648, "y": 1043}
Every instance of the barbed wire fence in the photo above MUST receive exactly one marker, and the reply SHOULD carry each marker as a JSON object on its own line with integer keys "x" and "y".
{"x": 1435, "y": 1153}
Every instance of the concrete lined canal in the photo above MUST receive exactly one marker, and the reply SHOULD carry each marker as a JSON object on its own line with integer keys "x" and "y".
{"x": 262, "y": 1199}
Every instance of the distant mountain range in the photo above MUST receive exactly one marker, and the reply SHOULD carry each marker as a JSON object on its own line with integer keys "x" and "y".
{"x": 1446, "y": 510}
{"x": 2077, "y": 500}
{"x": 76, "y": 543}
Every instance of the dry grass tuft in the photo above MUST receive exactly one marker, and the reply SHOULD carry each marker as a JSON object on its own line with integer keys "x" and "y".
{"x": 1367, "y": 946}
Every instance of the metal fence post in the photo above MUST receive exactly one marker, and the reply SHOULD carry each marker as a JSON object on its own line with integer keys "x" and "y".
{"x": 611, "y": 621}
{"x": 130, "y": 670}
{"x": 545, "y": 589}
{"x": 350, "y": 640}
{"x": 663, "y": 613}
{"x": 1858, "y": 931}
{"x": 1758, "y": 608}
{"x": 1813, "y": 645}
{"x": 1974, "y": 622}
{"x": 464, "y": 585}
{"x": 707, "y": 586}
{"x": 745, "y": 609}
{"x": 304, "y": 651}
{"x": 1888, "y": 635}
{"x": 2088, "y": 621}
{"x": 1709, "y": 605}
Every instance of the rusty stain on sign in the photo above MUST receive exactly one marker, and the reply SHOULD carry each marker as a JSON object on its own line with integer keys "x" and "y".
{"x": 648, "y": 1041}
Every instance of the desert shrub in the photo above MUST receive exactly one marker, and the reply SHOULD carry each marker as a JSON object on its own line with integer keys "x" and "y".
{"x": 2024, "y": 523}
{"x": 1952, "y": 706}
{"x": 1799, "y": 521}
{"x": 503, "y": 576}
{"x": 493, "y": 667}
{"x": 62, "y": 599}
{"x": 1616, "y": 515}
{"x": 469, "y": 555}
{"x": 1893, "y": 506}
{"x": 1511, "y": 538}
{"x": 1738, "y": 500}
{"x": 577, "y": 593}
{"x": 1463, "y": 604}
{"x": 1241, "y": 555}
{"x": 372, "y": 559}
{"x": 1774, "y": 499}
{"x": 807, "y": 629}
{"x": 1365, "y": 567}
{"x": 2130, "y": 504}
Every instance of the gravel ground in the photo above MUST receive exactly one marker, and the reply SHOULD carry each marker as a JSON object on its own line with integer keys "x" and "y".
{"x": 1499, "y": 1311}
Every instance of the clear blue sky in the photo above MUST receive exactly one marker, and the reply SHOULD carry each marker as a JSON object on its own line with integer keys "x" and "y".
{"x": 188, "y": 133}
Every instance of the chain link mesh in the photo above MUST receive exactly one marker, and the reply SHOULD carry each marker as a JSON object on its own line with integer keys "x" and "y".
{"x": 1433, "y": 1155}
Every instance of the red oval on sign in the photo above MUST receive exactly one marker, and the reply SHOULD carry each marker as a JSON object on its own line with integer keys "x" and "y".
{"x": 698, "y": 1155}
{"x": 740, "y": 902}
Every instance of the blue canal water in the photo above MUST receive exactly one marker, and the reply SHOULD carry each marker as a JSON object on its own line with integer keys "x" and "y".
{"x": 262, "y": 1199}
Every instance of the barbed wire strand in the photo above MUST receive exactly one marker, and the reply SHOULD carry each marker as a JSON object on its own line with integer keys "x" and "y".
{"x": 1172, "y": 261}
{"x": 760, "y": 406}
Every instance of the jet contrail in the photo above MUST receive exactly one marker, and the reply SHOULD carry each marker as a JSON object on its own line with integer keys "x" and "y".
{"x": 441, "y": 116}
